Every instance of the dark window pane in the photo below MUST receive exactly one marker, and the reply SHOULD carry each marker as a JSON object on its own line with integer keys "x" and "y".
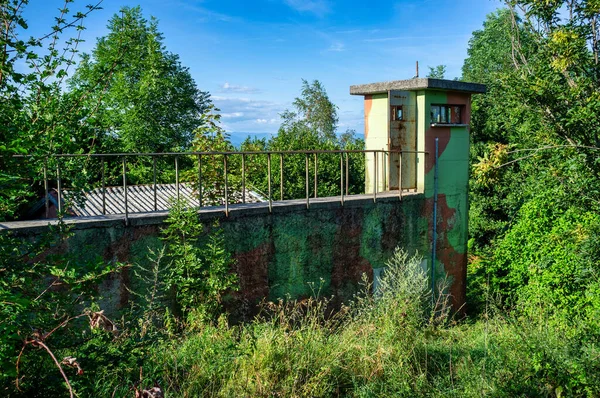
{"x": 443, "y": 114}
{"x": 446, "y": 114}
{"x": 456, "y": 116}
{"x": 435, "y": 114}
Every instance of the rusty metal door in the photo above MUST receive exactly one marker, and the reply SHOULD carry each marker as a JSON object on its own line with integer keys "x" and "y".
{"x": 402, "y": 137}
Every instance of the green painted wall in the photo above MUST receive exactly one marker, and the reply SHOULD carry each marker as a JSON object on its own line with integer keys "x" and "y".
{"x": 293, "y": 252}
{"x": 453, "y": 188}
{"x": 453, "y": 167}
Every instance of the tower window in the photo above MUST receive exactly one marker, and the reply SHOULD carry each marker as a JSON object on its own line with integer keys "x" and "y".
{"x": 446, "y": 114}
{"x": 397, "y": 114}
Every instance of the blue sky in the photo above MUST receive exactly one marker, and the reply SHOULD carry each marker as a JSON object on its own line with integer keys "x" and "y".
{"x": 251, "y": 55}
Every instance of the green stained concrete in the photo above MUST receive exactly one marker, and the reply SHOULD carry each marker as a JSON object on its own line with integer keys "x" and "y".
{"x": 452, "y": 167}
{"x": 453, "y": 177}
{"x": 295, "y": 252}
{"x": 83, "y": 245}
{"x": 453, "y": 184}
{"x": 372, "y": 233}
{"x": 253, "y": 232}
{"x": 434, "y": 97}
{"x": 303, "y": 255}
{"x": 140, "y": 250}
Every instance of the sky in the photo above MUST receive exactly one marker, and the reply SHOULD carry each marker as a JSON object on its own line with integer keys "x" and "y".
{"x": 252, "y": 55}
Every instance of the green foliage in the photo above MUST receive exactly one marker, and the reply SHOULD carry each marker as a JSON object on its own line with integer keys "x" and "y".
{"x": 36, "y": 117}
{"x": 437, "y": 72}
{"x": 198, "y": 275}
{"x": 550, "y": 253}
{"x": 383, "y": 345}
{"x": 46, "y": 297}
{"x": 310, "y": 126}
{"x": 534, "y": 190}
{"x": 148, "y": 101}
{"x": 129, "y": 95}
{"x": 314, "y": 110}
{"x": 41, "y": 291}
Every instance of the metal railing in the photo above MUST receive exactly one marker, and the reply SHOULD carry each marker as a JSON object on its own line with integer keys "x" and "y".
{"x": 344, "y": 176}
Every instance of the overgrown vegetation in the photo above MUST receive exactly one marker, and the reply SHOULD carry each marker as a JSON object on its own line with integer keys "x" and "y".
{"x": 390, "y": 344}
{"x": 45, "y": 303}
{"x": 393, "y": 343}
{"x": 534, "y": 280}
{"x": 534, "y": 196}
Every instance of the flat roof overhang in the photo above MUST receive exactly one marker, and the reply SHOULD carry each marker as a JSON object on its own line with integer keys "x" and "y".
{"x": 418, "y": 84}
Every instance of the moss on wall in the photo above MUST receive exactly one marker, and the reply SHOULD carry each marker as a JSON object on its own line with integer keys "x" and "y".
{"x": 293, "y": 252}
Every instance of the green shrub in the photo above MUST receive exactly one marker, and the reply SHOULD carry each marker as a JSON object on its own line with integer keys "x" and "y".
{"x": 198, "y": 272}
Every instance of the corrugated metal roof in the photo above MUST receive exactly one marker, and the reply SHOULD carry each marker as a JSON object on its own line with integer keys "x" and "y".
{"x": 140, "y": 199}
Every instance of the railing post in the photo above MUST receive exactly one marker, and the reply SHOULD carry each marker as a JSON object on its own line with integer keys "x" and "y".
{"x": 226, "y": 193}
{"x": 243, "y": 178}
{"x": 281, "y": 176}
{"x": 375, "y": 179}
{"x": 316, "y": 173}
{"x": 400, "y": 175}
{"x": 269, "y": 177}
{"x": 177, "y": 176}
{"x": 103, "y": 185}
{"x": 306, "y": 180}
{"x": 46, "y": 202}
{"x": 384, "y": 159}
{"x": 347, "y": 184}
{"x": 125, "y": 190}
{"x": 154, "y": 181}
{"x": 342, "y": 178}
{"x": 59, "y": 187}
{"x": 200, "y": 181}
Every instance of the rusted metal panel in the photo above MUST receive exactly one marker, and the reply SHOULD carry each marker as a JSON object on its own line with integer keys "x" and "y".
{"x": 402, "y": 137}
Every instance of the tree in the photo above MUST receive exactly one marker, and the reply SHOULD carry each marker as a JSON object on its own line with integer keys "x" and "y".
{"x": 36, "y": 117}
{"x": 311, "y": 125}
{"x": 437, "y": 72}
{"x": 536, "y": 139}
{"x": 313, "y": 112}
{"x": 149, "y": 102}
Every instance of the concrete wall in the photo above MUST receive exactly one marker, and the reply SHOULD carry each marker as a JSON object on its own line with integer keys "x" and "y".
{"x": 376, "y": 137}
{"x": 453, "y": 189}
{"x": 291, "y": 251}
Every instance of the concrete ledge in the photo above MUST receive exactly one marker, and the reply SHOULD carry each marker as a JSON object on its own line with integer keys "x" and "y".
{"x": 207, "y": 213}
{"x": 417, "y": 84}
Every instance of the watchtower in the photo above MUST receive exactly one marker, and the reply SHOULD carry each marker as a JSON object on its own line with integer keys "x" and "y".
{"x": 407, "y": 115}
{"x": 428, "y": 120}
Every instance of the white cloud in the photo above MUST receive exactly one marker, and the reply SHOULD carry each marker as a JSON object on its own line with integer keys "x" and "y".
{"x": 265, "y": 121}
{"x": 206, "y": 15}
{"x": 233, "y": 115}
{"x": 337, "y": 47}
{"x": 249, "y": 115}
{"x": 233, "y": 88}
{"x": 317, "y": 7}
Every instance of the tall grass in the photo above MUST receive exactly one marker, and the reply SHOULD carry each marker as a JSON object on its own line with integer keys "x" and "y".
{"x": 391, "y": 343}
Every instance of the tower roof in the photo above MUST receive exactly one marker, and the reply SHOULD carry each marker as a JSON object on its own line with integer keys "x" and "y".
{"x": 418, "y": 84}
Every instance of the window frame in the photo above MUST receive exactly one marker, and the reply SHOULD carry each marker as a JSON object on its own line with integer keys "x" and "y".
{"x": 447, "y": 112}
{"x": 394, "y": 113}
